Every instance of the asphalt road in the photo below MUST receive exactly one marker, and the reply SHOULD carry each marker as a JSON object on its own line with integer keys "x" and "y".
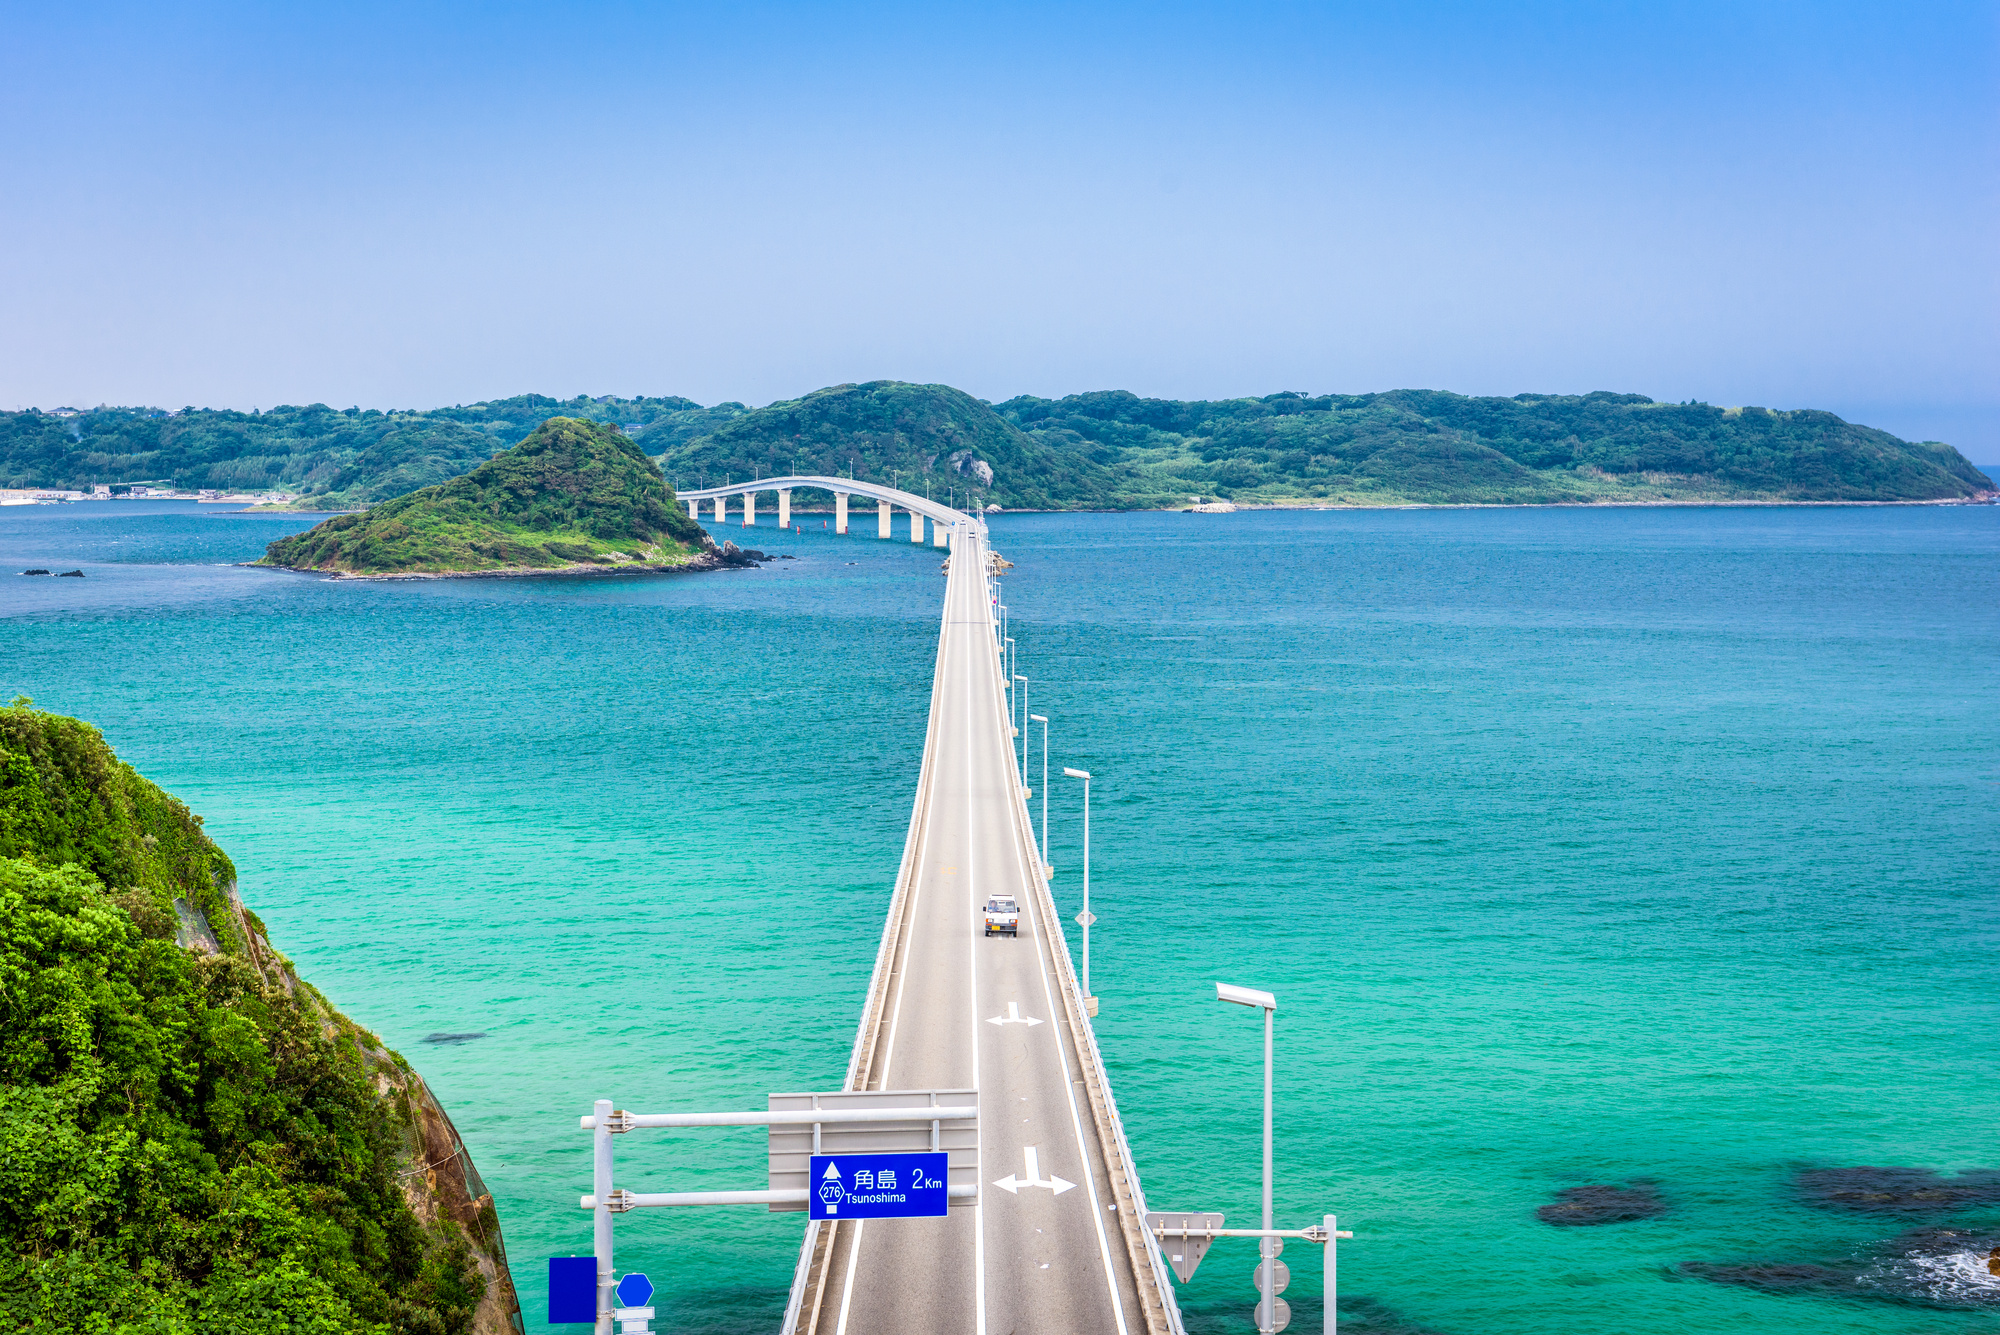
{"x": 1048, "y": 1256}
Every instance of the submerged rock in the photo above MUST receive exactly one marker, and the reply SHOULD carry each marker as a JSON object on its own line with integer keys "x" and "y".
{"x": 448, "y": 1039}
{"x": 1926, "y": 1267}
{"x": 1867, "y": 1190}
{"x": 70, "y": 574}
{"x": 36, "y": 571}
{"x": 1575, "y": 1207}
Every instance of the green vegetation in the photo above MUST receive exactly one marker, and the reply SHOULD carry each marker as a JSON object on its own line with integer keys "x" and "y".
{"x": 918, "y": 435}
{"x": 1105, "y": 450}
{"x": 192, "y": 1141}
{"x": 336, "y": 460}
{"x": 573, "y": 494}
{"x": 1429, "y": 446}
{"x": 1114, "y": 450}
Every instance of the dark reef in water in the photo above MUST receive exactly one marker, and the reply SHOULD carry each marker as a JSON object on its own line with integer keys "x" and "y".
{"x": 1926, "y": 1267}
{"x": 1575, "y": 1207}
{"x": 1897, "y": 1190}
{"x": 451, "y": 1038}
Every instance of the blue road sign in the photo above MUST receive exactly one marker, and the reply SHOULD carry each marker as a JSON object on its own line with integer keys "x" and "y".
{"x": 877, "y": 1186}
{"x": 635, "y": 1290}
{"x": 572, "y": 1290}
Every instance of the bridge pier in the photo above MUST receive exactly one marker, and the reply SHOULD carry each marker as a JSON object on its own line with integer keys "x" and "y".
{"x": 883, "y": 513}
{"x": 784, "y": 509}
{"x": 749, "y": 509}
{"x": 940, "y": 535}
{"x": 840, "y": 512}
{"x": 916, "y": 527}
{"x": 721, "y": 509}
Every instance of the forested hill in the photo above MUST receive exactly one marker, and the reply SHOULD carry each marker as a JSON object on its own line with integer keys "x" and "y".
{"x": 1103, "y": 450}
{"x": 192, "y": 1139}
{"x": 336, "y": 458}
{"x": 574, "y": 495}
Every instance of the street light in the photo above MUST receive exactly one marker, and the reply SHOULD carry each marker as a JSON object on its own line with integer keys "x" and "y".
{"x": 1089, "y": 1001}
{"x": 1037, "y": 718}
{"x": 1267, "y": 1272}
{"x": 1023, "y": 693}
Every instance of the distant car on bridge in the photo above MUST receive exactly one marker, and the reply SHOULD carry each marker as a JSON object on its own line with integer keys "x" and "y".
{"x": 1003, "y": 915}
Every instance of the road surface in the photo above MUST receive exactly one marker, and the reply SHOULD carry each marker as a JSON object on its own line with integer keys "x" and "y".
{"x": 954, "y": 1009}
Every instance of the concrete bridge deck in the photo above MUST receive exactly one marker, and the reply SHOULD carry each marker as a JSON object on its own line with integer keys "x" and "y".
{"x": 950, "y": 1008}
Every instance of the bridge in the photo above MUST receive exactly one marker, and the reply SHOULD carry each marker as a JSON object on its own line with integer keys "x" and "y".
{"x": 1055, "y": 1240}
{"x": 887, "y": 501}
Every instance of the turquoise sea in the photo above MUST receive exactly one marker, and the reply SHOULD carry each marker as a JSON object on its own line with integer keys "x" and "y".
{"x": 1580, "y": 847}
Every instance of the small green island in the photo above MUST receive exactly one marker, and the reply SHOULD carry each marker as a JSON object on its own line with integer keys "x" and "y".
{"x": 576, "y": 496}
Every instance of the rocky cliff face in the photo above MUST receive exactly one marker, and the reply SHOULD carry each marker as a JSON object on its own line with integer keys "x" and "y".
{"x": 192, "y": 1138}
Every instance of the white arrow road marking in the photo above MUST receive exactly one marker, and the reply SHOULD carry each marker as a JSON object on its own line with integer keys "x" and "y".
{"x": 1013, "y": 1016}
{"x": 1012, "y": 1185}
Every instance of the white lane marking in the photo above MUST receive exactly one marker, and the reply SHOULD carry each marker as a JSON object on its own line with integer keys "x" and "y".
{"x": 1069, "y": 1090}
{"x": 853, "y": 1265}
{"x": 1012, "y": 1185}
{"x": 895, "y": 1015}
{"x": 1013, "y": 1016}
{"x": 972, "y": 976}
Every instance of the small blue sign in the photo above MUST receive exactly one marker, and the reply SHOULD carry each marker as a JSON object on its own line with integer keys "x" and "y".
{"x": 878, "y": 1186}
{"x": 572, "y": 1290}
{"x": 635, "y": 1290}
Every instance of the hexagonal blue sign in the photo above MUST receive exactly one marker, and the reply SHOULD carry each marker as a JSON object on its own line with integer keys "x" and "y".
{"x": 635, "y": 1290}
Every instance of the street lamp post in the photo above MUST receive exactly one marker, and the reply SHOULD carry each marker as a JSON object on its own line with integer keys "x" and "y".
{"x": 1085, "y": 917}
{"x": 1037, "y": 718}
{"x": 1267, "y": 1272}
{"x": 1023, "y": 693}
{"x": 1007, "y": 680}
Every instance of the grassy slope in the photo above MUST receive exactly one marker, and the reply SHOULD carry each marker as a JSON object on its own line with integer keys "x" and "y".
{"x": 573, "y": 493}
{"x": 191, "y": 1138}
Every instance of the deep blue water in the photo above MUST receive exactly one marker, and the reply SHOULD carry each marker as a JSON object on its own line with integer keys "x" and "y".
{"x": 1580, "y": 846}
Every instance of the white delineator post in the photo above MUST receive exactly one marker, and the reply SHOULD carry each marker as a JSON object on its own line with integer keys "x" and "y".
{"x": 883, "y": 514}
{"x": 600, "y": 1187}
{"x": 784, "y": 509}
{"x": 840, "y": 512}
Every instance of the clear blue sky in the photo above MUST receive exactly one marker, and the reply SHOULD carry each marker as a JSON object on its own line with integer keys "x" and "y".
{"x": 401, "y": 205}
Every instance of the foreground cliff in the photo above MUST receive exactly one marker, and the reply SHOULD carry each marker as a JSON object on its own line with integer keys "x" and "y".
{"x": 191, "y": 1138}
{"x": 574, "y": 496}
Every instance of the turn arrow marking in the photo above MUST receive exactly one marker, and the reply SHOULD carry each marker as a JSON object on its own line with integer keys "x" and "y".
{"x": 1013, "y": 1016}
{"x": 1012, "y": 1185}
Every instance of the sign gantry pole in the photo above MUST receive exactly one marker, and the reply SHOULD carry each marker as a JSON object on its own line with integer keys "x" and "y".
{"x": 600, "y": 1184}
